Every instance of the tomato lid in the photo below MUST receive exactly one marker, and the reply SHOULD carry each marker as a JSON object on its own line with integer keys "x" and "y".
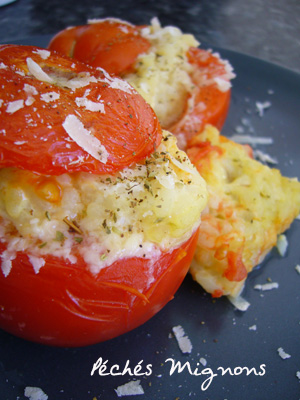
{"x": 59, "y": 115}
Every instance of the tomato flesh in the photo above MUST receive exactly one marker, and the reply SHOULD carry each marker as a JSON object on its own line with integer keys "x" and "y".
{"x": 32, "y": 123}
{"x": 65, "y": 305}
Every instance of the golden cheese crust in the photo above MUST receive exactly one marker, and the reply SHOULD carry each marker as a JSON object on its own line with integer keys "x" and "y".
{"x": 249, "y": 205}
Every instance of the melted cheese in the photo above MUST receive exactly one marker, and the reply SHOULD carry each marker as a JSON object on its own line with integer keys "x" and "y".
{"x": 162, "y": 75}
{"x": 249, "y": 205}
{"x": 141, "y": 211}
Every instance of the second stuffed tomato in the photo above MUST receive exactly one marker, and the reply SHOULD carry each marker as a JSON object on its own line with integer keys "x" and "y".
{"x": 187, "y": 86}
{"x": 99, "y": 210}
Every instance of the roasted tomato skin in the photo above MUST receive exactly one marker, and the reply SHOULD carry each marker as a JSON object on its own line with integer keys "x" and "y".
{"x": 211, "y": 105}
{"x": 109, "y": 44}
{"x": 65, "y": 305}
{"x": 35, "y": 137}
{"x": 102, "y": 44}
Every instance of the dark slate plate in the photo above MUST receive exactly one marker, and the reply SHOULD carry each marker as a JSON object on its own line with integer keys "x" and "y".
{"x": 219, "y": 333}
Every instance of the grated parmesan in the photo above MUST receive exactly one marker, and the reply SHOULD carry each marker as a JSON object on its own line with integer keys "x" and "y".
{"x": 261, "y": 107}
{"x": 183, "y": 341}
{"x": 283, "y": 354}
{"x": 264, "y": 157}
{"x": 131, "y": 388}
{"x": 252, "y": 328}
{"x": 239, "y": 302}
{"x": 90, "y": 105}
{"x": 44, "y": 54}
{"x": 14, "y": 106}
{"x": 84, "y": 138}
{"x": 203, "y": 361}
{"x": 35, "y": 393}
{"x": 37, "y": 71}
{"x": 267, "y": 286}
{"x": 36, "y": 262}
{"x": 282, "y": 245}
{"x": 223, "y": 84}
{"x": 50, "y": 96}
{"x": 115, "y": 83}
{"x": 20, "y": 142}
{"x": 30, "y": 90}
{"x": 6, "y": 261}
{"x": 247, "y": 139}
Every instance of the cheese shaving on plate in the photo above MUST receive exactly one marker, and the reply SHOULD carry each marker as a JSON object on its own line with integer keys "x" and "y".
{"x": 248, "y": 139}
{"x": 239, "y": 303}
{"x": 183, "y": 341}
{"x": 267, "y": 286}
{"x": 264, "y": 157}
{"x": 131, "y": 388}
{"x": 35, "y": 393}
{"x": 283, "y": 354}
{"x": 262, "y": 106}
{"x": 282, "y": 244}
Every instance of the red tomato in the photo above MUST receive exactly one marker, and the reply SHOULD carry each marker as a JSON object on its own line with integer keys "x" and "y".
{"x": 53, "y": 107}
{"x": 115, "y": 46}
{"x": 211, "y": 104}
{"x": 236, "y": 270}
{"x": 65, "y": 305}
{"x": 109, "y": 44}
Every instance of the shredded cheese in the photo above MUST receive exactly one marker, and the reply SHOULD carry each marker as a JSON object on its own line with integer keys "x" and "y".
{"x": 50, "y": 96}
{"x": 84, "y": 138}
{"x": 183, "y": 340}
{"x": 90, "y": 105}
{"x": 282, "y": 244}
{"x": 131, "y": 388}
{"x": 261, "y": 107}
{"x": 37, "y": 263}
{"x": 35, "y": 393}
{"x": 267, "y": 286}
{"x": 14, "y": 106}
{"x": 253, "y": 140}
{"x": 37, "y": 71}
{"x": 283, "y": 354}
{"x": 239, "y": 303}
{"x": 44, "y": 54}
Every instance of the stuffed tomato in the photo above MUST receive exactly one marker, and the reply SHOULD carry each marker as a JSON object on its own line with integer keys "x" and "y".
{"x": 99, "y": 210}
{"x": 187, "y": 86}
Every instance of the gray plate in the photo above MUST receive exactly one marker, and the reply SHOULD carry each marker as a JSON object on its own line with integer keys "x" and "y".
{"x": 219, "y": 334}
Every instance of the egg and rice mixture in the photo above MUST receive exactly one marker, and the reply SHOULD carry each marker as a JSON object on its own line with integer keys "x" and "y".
{"x": 249, "y": 205}
{"x": 141, "y": 211}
